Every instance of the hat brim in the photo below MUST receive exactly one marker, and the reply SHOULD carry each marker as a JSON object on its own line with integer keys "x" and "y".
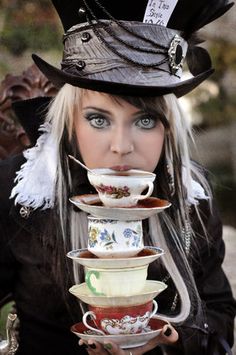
{"x": 59, "y": 78}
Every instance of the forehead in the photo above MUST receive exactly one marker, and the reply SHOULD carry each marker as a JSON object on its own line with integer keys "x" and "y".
{"x": 104, "y": 100}
{"x": 156, "y": 105}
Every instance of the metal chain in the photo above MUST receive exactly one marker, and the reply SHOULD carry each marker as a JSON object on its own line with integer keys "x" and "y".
{"x": 175, "y": 300}
{"x": 108, "y": 29}
{"x": 119, "y": 23}
{"x": 129, "y": 60}
{"x": 166, "y": 278}
{"x": 174, "y": 304}
{"x": 186, "y": 234}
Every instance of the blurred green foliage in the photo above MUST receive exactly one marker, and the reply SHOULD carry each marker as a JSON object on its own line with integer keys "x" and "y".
{"x": 29, "y": 25}
{"x": 17, "y": 40}
{"x": 218, "y": 110}
{"x": 223, "y": 55}
{"x": 224, "y": 187}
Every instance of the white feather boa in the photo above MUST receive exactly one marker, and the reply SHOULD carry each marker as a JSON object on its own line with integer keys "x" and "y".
{"x": 36, "y": 179}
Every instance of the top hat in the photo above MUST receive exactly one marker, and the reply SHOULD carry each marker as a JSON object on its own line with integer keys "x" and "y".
{"x": 116, "y": 48}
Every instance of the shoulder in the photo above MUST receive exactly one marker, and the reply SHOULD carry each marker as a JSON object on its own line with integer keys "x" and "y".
{"x": 8, "y": 169}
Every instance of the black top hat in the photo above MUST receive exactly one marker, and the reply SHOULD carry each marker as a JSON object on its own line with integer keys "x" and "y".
{"x": 110, "y": 48}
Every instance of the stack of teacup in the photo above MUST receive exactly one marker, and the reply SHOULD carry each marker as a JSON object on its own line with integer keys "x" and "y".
{"x": 119, "y": 296}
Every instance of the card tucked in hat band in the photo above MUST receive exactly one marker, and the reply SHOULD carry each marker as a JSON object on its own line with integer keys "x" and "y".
{"x": 158, "y": 12}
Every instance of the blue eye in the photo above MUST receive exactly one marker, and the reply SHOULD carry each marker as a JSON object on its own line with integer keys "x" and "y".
{"x": 146, "y": 122}
{"x": 97, "y": 121}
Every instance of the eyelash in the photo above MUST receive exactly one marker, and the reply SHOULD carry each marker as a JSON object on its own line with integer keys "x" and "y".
{"x": 93, "y": 117}
{"x": 152, "y": 122}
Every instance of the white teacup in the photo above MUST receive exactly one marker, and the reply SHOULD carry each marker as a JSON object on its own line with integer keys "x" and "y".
{"x": 116, "y": 282}
{"x": 108, "y": 238}
{"x": 121, "y": 320}
{"x": 121, "y": 188}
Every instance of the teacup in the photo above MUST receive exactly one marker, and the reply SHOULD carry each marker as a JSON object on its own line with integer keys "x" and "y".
{"x": 109, "y": 238}
{"x": 116, "y": 282}
{"x": 120, "y": 320}
{"x": 121, "y": 189}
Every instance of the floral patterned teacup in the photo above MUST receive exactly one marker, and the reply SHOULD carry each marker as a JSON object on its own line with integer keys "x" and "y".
{"x": 116, "y": 282}
{"x": 121, "y": 188}
{"x": 108, "y": 238}
{"x": 121, "y": 320}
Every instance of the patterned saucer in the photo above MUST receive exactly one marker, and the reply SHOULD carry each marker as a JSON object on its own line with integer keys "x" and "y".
{"x": 149, "y": 292}
{"x": 125, "y": 341}
{"x": 144, "y": 257}
{"x": 144, "y": 209}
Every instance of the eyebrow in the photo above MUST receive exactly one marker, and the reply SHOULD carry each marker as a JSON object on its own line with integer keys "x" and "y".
{"x": 105, "y": 111}
{"x": 96, "y": 108}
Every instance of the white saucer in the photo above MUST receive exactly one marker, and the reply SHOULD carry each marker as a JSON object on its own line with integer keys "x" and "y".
{"x": 148, "y": 293}
{"x": 86, "y": 258}
{"x": 144, "y": 209}
{"x": 124, "y": 341}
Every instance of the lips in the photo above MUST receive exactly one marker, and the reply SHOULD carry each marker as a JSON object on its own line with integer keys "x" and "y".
{"x": 121, "y": 167}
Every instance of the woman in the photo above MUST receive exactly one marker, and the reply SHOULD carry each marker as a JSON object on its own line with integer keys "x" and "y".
{"x": 117, "y": 108}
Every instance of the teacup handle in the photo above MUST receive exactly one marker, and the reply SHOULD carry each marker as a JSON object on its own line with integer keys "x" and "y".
{"x": 88, "y": 282}
{"x": 150, "y": 189}
{"x": 91, "y": 314}
{"x": 155, "y": 308}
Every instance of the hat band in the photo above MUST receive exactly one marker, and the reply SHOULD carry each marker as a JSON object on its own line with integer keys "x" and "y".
{"x": 84, "y": 49}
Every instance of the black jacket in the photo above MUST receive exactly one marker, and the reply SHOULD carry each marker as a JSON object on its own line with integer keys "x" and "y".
{"x": 25, "y": 272}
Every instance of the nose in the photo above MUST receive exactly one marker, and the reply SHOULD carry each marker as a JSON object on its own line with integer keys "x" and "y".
{"x": 122, "y": 142}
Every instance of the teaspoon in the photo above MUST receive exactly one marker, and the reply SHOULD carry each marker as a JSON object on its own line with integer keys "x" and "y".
{"x": 80, "y": 163}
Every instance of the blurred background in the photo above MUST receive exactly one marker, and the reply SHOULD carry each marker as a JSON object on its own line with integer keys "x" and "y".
{"x": 28, "y": 26}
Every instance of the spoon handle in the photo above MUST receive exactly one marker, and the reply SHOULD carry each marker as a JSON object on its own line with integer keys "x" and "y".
{"x": 79, "y": 162}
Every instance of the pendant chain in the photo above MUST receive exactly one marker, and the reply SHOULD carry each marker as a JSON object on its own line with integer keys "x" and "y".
{"x": 186, "y": 234}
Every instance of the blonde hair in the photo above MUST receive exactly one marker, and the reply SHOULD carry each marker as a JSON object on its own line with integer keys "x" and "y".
{"x": 164, "y": 230}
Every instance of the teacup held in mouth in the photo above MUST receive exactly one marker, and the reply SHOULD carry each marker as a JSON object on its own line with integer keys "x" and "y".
{"x": 121, "y": 188}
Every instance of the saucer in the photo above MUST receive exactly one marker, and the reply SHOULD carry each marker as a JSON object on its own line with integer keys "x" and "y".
{"x": 147, "y": 294}
{"x": 144, "y": 257}
{"x": 125, "y": 341}
{"x": 144, "y": 209}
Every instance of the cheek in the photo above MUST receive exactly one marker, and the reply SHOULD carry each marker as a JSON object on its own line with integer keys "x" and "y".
{"x": 153, "y": 152}
{"x": 152, "y": 146}
{"x": 83, "y": 139}
{"x": 91, "y": 145}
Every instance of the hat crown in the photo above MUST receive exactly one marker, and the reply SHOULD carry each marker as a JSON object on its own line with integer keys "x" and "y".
{"x": 187, "y": 15}
{"x": 111, "y": 45}
{"x": 112, "y": 50}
